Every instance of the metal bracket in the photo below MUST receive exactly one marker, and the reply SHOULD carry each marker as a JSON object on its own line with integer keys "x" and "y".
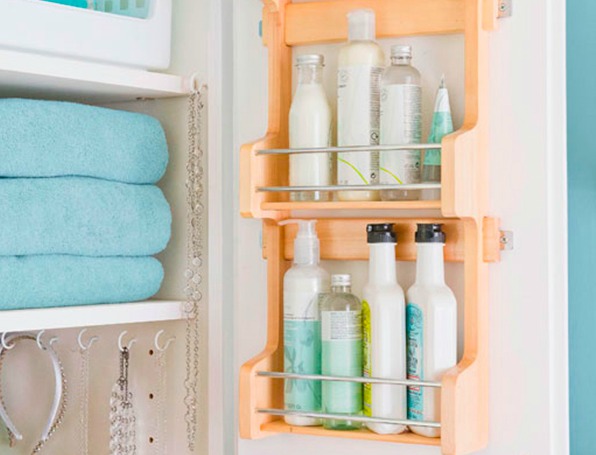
{"x": 505, "y": 8}
{"x": 506, "y": 240}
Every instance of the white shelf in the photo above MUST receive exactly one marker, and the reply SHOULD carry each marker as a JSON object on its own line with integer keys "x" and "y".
{"x": 90, "y": 315}
{"x": 38, "y": 76}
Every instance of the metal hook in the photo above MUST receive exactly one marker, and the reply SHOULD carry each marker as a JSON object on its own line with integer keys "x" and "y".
{"x": 168, "y": 343}
{"x": 130, "y": 344}
{"x": 53, "y": 340}
{"x": 4, "y": 344}
{"x": 193, "y": 82}
{"x": 91, "y": 341}
{"x": 38, "y": 339}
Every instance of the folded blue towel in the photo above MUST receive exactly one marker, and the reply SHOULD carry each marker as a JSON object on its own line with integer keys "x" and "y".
{"x": 50, "y": 281}
{"x": 54, "y": 138}
{"x": 82, "y": 216}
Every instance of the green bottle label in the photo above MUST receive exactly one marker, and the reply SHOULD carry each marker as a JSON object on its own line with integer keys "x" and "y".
{"x": 366, "y": 365}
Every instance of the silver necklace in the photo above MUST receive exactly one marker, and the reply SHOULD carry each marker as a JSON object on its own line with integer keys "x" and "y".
{"x": 194, "y": 268}
{"x": 162, "y": 388}
{"x": 122, "y": 413}
{"x": 84, "y": 402}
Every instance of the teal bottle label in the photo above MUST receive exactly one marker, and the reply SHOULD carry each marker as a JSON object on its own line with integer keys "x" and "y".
{"x": 302, "y": 355}
{"x": 342, "y": 356}
{"x": 414, "y": 344}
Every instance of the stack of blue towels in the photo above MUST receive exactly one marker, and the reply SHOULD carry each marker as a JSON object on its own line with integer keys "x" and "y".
{"x": 81, "y": 216}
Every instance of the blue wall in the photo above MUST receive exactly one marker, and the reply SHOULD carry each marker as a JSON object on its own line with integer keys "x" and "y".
{"x": 581, "y": 88}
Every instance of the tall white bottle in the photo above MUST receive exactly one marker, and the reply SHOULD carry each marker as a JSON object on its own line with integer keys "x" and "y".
{"x": 384, "y": 332}
{"x": 304, "y": 285}
{"x": 310, "y": 127}
{"x": 361, "y": 63}
{"x": 431, "y": 328}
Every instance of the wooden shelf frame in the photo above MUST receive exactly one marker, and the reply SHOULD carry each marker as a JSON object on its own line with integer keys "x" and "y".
{"x": 464, "y": 389}
{"x": 473, "y": 238}
{"x": 286, "y": 25}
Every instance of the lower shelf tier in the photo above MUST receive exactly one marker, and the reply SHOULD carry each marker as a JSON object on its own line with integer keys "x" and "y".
{"x": 90, "y": 315}
{"x": 279, "y": 426}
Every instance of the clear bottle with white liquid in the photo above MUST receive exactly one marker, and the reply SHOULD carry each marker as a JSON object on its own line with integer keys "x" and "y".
{"x": 431, "y": 320}
{"x": 361, "y": 63}
{"x": 310, "y": 127}
{"x": 401, "y": 123}
{"x": 384, "y": 332}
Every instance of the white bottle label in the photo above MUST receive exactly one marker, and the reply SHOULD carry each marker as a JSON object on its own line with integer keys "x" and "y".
{"x": 341, "y": 325}
{"x": 358, "y": 112}
{"x": 401, "y": 123}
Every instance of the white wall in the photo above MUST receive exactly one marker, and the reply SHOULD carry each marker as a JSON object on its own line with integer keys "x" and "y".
{"x": 528, "y": 395}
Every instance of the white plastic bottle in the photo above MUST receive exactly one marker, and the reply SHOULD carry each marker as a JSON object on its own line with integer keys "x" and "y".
{"x": 304, "y": 285}
{"x": 310, "y": 127}
{"x": 384, "y": 332}
{"x": 431, "y": 328}
{"x": 361, "y": 63}
{"x": 401, "y": 123}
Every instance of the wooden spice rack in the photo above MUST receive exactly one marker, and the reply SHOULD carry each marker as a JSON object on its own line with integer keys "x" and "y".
{"x": 472, "y": 237}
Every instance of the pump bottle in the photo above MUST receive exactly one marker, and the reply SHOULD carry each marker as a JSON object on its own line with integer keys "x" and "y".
{"x": 431, "y": 328}
{"x": 384, "y": 332}
{"x": 304, "y": 285}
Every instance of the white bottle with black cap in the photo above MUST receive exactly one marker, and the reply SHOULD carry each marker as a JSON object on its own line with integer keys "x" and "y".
{"x": 431, "y": 319}
{"x": 360, "y": 65}
{"x": 384, "y": 332}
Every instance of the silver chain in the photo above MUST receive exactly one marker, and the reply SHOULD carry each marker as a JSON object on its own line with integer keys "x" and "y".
{"x": 122, "y": 414}
{"x": 84, "y": 403}
{"x": 194, "y": 269}
{"x": 161, "y": 393}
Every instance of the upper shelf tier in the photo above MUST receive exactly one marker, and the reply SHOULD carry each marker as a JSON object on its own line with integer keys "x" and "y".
{"x": 464, "y": 166}
{"x": 325, "y": 21}
{"x": 38, "y": 76}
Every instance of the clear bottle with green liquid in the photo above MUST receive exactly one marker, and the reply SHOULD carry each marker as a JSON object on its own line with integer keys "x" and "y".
{"x": 341, "y": 334}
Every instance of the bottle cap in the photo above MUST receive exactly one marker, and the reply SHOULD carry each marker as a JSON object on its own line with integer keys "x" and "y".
{"x": 381, "y": 233}
{"x": 341, "y": 280}
{"x": 361, "y": 25}
{"x": 306, "y": 243}
{"x": 430, "y": 233}
{"x": 399, "y": 50}
{"x": 310, "y": 59}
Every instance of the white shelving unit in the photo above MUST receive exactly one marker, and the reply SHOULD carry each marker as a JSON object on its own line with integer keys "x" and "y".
{"x": 90, "y": 316}
{"x": 38, "y": 76}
